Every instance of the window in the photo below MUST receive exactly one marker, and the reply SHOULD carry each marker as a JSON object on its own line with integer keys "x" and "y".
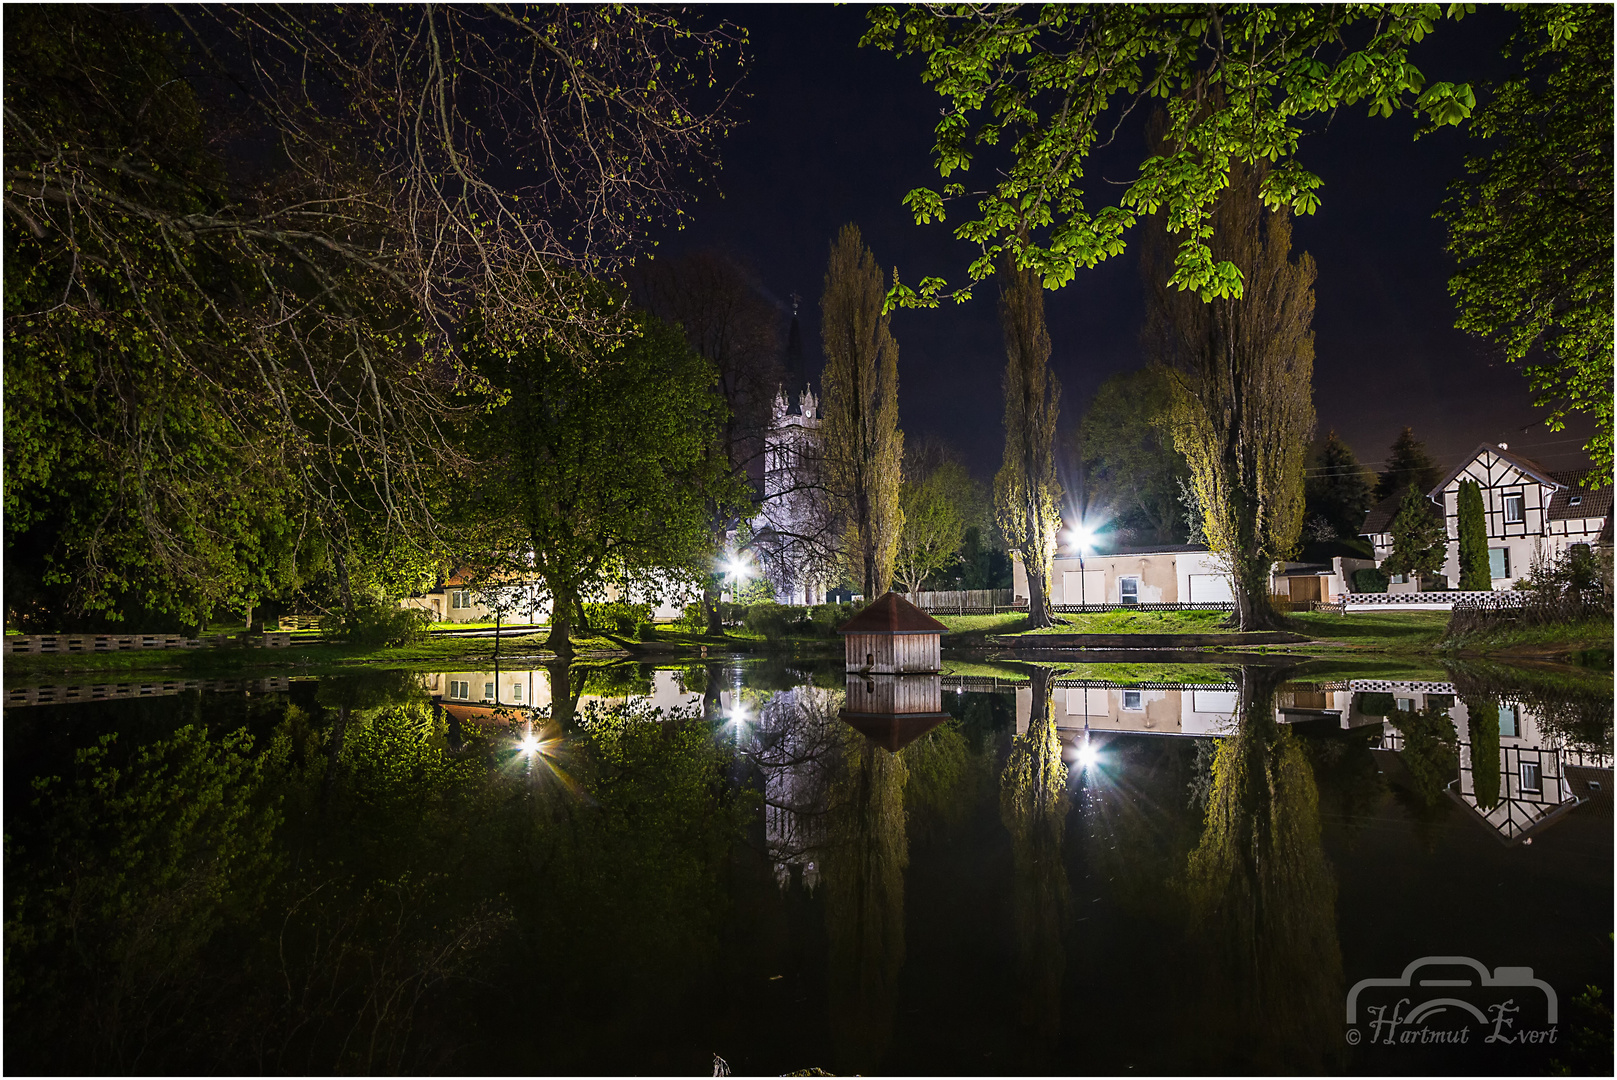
{"x": 459, "y": 689}
{"x": 1507, "y": 721}
{"x": 1397, "y": 579}
{"x": 1406, "y": 704}
{"x": 1131, "y": 700}
{"x": 1574, "y": 500}
{"x": 1498, "y": 563}
{"x": 516, "y": 692}
{"x": 459, "y": 599}
{"x": 1532, "y": 777}
{"x": 1514, "y": 514}
{"x": 488, "y": 691}
{"x": 1129, "y": 591}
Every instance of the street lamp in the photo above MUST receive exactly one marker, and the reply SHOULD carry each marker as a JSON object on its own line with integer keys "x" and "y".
{"x": 1080, "y": 536}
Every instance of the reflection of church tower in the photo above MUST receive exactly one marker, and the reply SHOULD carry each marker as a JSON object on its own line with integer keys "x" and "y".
{"x": 786, "y": 526}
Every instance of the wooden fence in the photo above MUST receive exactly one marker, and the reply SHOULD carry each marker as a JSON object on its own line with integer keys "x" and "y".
{"x": 66, "y": 644}
{"x": 67, "y": 695}
{"x": 966, "y": 601}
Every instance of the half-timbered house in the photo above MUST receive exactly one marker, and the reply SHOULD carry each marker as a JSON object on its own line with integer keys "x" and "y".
{"x": 1531, "y": 513}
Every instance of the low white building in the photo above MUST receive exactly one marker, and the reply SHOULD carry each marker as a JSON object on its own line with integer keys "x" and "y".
{"x": 1165, "y": 574}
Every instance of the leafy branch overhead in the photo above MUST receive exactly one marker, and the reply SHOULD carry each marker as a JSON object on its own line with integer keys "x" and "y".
{"x": 1053, "y": 84}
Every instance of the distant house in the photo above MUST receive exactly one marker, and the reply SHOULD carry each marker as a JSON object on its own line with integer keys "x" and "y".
{"x": 458, "y": 600}
{"x": 1164, "y": 574}
{"x": 1530, "y": 512}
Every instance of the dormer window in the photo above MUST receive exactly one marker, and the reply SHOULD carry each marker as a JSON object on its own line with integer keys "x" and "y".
{"x": 1515, "y": 512}
{"x": 1574, "y": 500}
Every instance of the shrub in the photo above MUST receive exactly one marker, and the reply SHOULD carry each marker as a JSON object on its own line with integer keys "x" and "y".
{"x": 1369, "y": 580}
{"x": 771, "y": 620}
{"x": 618, "y": 617}
{"x": 691, "y": 620}
{"x": 377, "y": 623}
{"x": 1374, "y": 703}
{"x": 827, "y": 617}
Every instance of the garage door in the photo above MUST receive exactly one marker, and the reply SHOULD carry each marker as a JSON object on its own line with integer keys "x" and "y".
{"x": 1088, "y": 587}
{"x": 1210, "y": 589}
{"x": 1215, "y": 702}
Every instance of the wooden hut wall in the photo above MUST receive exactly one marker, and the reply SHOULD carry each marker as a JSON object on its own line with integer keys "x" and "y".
{"x": 894, "y": 694}
{"x": 893, "y": 653}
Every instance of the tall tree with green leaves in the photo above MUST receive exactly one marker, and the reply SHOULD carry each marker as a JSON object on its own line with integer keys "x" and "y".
{"x": 1419, "y": 542}
{"x": 863, "y": 447}
{"x": 1337, "y": 487}
{"x": 1243, "y": 371}
{"x": 1473, "y": 528}
{"x": 934, "y": 524}
{"x": 1027, "y": 491}
{"x": 1052, "y": 83}
{"x": 1408, "y": 465}
{"x": 595, "y": 468}
{"x": 1131, "y": 468}
{"x": 1530, "y": 224}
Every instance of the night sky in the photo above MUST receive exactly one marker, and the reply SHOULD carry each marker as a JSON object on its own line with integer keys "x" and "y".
{"x": 833, "y": 133}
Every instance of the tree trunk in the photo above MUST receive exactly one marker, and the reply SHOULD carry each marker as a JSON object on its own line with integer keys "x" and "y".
{"x": 710, "y": 609}
{"x": 563, "y": 700}
{"x": 560, "y": 640}
{"x": 1038, "y": 601}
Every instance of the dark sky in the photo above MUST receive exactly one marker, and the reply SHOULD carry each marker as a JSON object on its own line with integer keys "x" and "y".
{"x": 834, "y": 133}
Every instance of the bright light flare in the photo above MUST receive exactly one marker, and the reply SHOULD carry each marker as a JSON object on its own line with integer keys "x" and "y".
{"x": 529, "y": 744}
{"x": 1081, "y": 537}
{"x": 737, "y": 568}
{"x": 1088, "y": 757}
{"x": 738, "y": 715}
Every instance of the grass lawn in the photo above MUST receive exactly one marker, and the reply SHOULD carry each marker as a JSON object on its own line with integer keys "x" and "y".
{"x": 1096, "y": 622}
{"x": 1381, "y": 630}
{"x": 1005, "y": 622}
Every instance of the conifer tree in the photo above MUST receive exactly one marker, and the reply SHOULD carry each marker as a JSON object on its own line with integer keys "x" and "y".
{"x": 1339, "y": 488}
{"x": 1418, "y": 540}
{"x": 864, "y": 448}
{"x": 1408, "y": 463}
{"x": 1474, "y": 572}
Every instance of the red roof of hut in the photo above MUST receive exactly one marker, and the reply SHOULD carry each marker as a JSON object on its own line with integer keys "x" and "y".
{"x": 892, "y": 614}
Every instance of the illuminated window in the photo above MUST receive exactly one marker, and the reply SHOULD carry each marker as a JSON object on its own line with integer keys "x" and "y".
{"x": 1514, "y": 514}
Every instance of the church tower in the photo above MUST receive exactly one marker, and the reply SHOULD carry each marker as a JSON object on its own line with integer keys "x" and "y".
{"x": 788, "y": 510}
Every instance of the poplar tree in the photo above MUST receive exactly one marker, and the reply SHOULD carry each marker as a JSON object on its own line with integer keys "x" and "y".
{"x": 1244, "y": 370}
{"x": 1027, "y": 494}
{"x": 864, "y": 449}
{"x": 1474, "y": 572}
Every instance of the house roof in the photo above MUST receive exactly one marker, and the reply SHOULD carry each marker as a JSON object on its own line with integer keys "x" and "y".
{"x": 1525, "y": 464}
{"x": 1144, "y": 549}
{"x": 1379, "y": 519}
{"x": 1593, "y": 503}
{"x": 892, "y": 614}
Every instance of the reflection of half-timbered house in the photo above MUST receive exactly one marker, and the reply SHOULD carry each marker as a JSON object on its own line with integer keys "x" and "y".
{"x": 1531, "y": 513}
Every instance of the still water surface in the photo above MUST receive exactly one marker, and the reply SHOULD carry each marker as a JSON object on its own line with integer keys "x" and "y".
{"x": 1015, "y": 870}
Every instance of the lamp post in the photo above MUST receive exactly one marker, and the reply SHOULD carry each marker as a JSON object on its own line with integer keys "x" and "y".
{"x": 1080, "y": 536}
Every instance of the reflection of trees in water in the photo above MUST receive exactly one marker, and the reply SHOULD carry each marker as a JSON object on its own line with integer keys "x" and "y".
{"x": 1033, "y": 806}
{"x": 1430, "y": 754}
{"x": 1573, "y": 705}
{"x": 1264, "y": 899}
{"x": 1482, "y": 731}
{"x": 866, "y": 852}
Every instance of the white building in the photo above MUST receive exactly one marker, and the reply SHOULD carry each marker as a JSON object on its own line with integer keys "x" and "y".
{"x": 1166, "y": 574}
{"x": 1531, "y": 514}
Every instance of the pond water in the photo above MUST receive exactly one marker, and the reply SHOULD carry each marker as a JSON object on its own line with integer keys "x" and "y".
{"x": 1005, "y": 869}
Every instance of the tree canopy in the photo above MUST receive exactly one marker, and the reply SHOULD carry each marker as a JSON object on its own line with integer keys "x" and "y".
{"x": 1530, "y": 224}
{"x": 1131, "y": 468}
{"x": 1053, "y": 83}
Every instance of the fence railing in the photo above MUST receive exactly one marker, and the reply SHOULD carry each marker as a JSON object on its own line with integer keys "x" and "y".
{"x": 66, "y": 644}
{"x": 1526, "y": 609}
{"x": 1444, "y": 596}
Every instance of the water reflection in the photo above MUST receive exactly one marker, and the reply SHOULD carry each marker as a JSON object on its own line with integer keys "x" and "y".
{"x": 1263, "y": 897}
{"x": 1033, "y": 806}
{"x": 392, "y": 851}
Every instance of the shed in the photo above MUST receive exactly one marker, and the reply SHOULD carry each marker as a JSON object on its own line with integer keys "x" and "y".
{"x": 891, "y": 637}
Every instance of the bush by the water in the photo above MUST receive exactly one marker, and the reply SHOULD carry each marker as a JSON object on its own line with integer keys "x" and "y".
{"x": 618, "y": 617}
{"x": 1569, "y": 588}
{"x": 377, "y": 623}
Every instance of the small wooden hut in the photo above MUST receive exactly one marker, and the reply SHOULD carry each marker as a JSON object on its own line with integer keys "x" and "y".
{"x": 893, "y": 637}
